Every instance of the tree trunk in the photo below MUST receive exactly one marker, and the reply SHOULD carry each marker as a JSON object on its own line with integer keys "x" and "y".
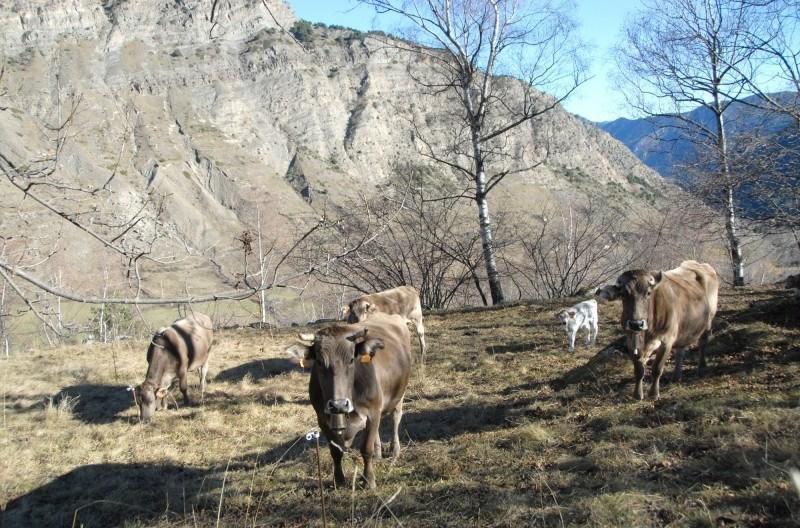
{"x": 737, "y": 262}
{"x": 495, "y": 287}
{"x": 734, "y": 244}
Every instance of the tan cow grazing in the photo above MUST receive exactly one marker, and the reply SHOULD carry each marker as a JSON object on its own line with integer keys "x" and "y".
{"x": 662, "y": 311}
{"x": 403, "y": 301}
{"x": 359, "y": 373}
{"x": 175, "y": 350}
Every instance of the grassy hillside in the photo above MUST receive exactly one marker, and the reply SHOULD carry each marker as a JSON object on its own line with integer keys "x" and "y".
{"x": 505, "y": 428}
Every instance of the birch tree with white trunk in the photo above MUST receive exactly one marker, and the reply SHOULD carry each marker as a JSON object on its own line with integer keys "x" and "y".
{"x": 680, "y": 55}
{"x": 465, "y": 46}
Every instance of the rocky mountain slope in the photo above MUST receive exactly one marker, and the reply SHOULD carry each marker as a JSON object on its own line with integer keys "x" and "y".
{"x": 213, "y": 106}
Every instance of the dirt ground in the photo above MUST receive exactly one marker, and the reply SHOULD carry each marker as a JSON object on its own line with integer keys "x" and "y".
{"x": 503, "y": 428}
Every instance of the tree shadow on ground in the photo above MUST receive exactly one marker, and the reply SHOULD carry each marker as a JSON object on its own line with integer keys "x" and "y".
{"x": 442, "y": 424}
{"x": 257, "y": 369}
{"x": 780, "y": 309}
{"x": 95, "y": 404}
{"x": 113, "y": 495}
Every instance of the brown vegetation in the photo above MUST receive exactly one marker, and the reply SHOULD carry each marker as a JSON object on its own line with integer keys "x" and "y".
{"x": 505, "y": 429}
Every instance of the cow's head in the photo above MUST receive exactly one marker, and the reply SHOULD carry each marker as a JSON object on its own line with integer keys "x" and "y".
{"x": 567, "y": 316}
{"x": 334, "y": 352}
{"x": 635, "y": 289}
{"x": 359, "y": 310}
{"x": 147, "y": 397}
{"x": 148, "y": 394}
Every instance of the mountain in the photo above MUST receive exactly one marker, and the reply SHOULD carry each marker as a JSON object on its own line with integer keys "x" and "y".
{"x": 214, "y": 108}
{"x": 662, "y": 145}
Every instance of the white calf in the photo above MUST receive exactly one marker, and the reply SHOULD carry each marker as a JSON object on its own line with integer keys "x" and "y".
{"x": 581, "y": 316}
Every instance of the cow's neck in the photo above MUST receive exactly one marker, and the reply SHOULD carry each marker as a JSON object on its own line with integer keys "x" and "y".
{"x": 158, "y": 365}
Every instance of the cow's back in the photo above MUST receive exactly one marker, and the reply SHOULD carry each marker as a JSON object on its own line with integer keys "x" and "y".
{"x": 191, "y": 338}
{"x": 685, "y": 302}
{"x": 401, "y": 300}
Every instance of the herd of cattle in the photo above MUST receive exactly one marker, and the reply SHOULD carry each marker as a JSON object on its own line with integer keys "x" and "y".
{"x": 360, "y": 368}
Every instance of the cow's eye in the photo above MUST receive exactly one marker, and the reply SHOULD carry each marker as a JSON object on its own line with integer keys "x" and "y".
{"x": 352, "y": 359}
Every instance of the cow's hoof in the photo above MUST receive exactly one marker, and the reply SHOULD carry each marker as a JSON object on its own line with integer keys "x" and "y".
{"x": 368, "y": 482}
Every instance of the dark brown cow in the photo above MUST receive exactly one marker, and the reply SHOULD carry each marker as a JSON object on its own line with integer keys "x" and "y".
{"x": 359, "y": 373}
{"x": 662, "y": 311}
{"x": 403, "y": 301}
{"x": 173, "y": 352}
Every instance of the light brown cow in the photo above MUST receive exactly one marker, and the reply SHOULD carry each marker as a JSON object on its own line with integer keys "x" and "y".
{"x": 662, "y": 311}
{"x": 359, "y": 373}
{"x": 174, "y": 351}
{"x": 403, "y": 301}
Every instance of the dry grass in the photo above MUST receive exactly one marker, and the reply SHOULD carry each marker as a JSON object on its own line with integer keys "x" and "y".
{"x": 505, "y": 429}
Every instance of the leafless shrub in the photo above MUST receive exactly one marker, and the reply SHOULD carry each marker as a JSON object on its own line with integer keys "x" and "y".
{"x": 421, "y": 241}
{"x": 568, "y": 249}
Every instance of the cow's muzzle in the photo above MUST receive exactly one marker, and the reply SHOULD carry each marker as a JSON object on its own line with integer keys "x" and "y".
{"x": 341, "y": 406}
{"x": 636, "y": 325}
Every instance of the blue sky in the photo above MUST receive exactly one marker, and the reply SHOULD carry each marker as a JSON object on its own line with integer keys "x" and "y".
{"x": 600, "y": 24}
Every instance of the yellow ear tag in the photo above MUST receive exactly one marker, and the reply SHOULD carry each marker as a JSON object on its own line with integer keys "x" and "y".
{"x": 365, "y": 358}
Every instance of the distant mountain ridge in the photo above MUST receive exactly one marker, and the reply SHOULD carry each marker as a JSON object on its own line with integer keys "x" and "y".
{"x": 662, "y": 147}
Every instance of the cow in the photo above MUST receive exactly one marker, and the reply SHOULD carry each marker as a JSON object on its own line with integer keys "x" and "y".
{"x": 582, "y": 316}
{"x": 403, "y": 301}
{"x": 359, "y": 372}
{"x": 175, "y": 350}
{"x": 662, "y": 311}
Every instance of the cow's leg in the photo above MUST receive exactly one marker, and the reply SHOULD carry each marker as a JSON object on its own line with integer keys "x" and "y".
{"x": 594, "y": 333}
{"x": 396, "y": 416}
{"x": 421, "y": 336}
{"x": 638, "y": 375}
{"x": 378, "y": 455}
{"x": 203, "y": 374}
{"x": 678, "y": 373}
{"x": 638, "y": 366}
{"x": 183, "y": 379}
{"x": 703, "y": 343}
{"x": 658, "y": 369}
{"x": 571, "y": 336}
{"x": 368, "y": 448}
{"x": 336, "y": 455}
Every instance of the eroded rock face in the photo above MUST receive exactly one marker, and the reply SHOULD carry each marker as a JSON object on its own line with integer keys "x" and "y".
{"x": 212, "y": 104}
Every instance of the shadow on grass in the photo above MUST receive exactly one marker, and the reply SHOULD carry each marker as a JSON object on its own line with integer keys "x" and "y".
{"x": 113, "y": 495}
{"x": 287, "y": 451}
{"x": 779, "y": 310}
{"x": 442, "y": 424}
{"x": 95, "y": 404}
{"x": 512, "y": 347}
{"x": 257, "y": 369}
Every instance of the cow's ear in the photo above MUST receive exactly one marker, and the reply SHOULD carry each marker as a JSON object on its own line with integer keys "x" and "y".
{"x": 657, "y": 276}
{"x": 610, "y": 292}
{"x": 366, "y": 350}
{"x": 370, "y": 308}
{"x": 358, "y": 337}
{"x": 161, "y": 392}
{"x": 299, "y": 353}
{"x": 345, "y": 311}
{"x": 572, "y": 314}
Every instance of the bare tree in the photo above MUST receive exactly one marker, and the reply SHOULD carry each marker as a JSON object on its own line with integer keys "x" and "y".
{"x": 568, "y": 249}
{"x": 679, "y": 55}
{"x": 464, "y": 45}
{"x": 420, "y": 242}
{"x": 777, "y": 48}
